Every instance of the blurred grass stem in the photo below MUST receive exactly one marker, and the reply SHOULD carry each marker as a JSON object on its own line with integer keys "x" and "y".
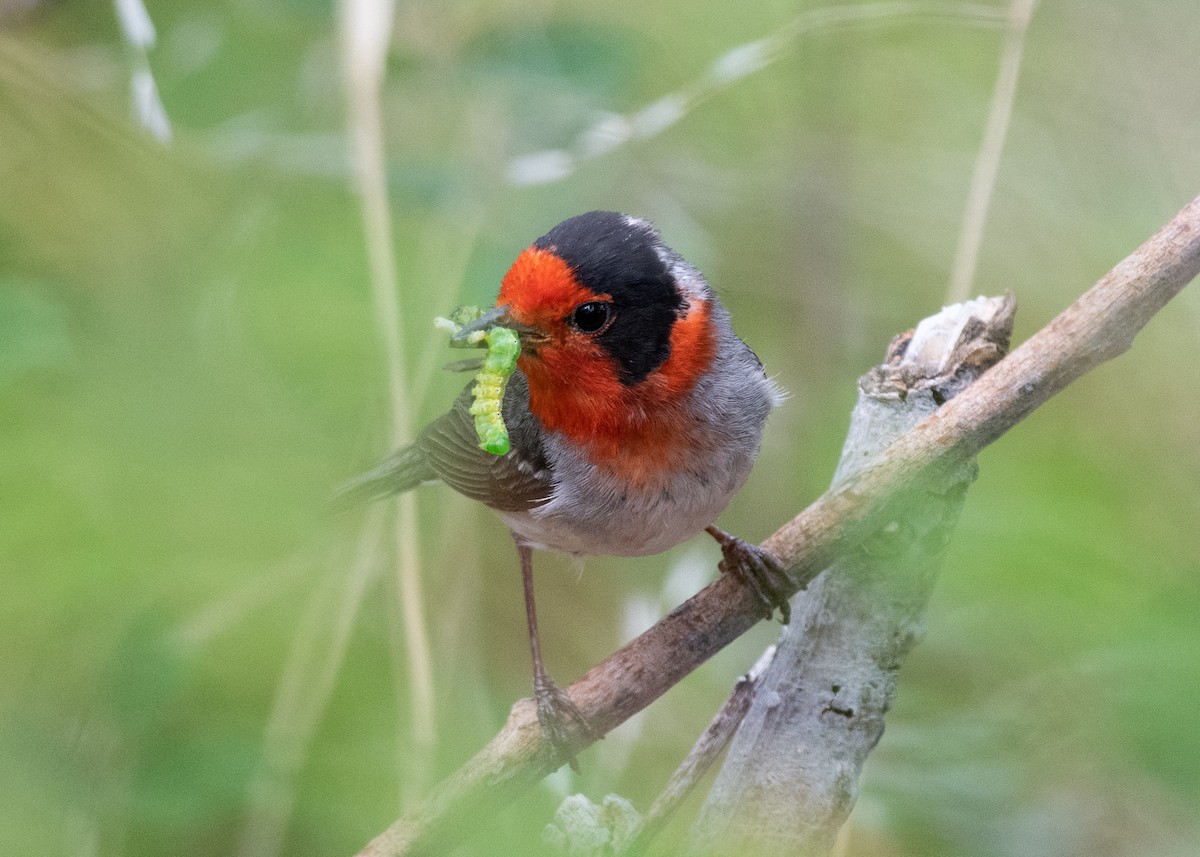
{"x": 733, "y": 66}
{"x": 314, "y": 660}
{"x": 987, "y": 162}
{"x": 366, "y": 27}
{"x": 138, "y": 32}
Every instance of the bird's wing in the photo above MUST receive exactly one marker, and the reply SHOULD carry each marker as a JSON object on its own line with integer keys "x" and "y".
{"x": 517, "y": 481}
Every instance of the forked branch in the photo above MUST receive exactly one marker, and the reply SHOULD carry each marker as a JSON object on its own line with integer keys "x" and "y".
{"x": 1100, "y": 325}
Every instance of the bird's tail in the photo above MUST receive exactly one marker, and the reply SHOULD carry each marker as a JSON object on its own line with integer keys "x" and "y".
{"x": 403, "y": 470}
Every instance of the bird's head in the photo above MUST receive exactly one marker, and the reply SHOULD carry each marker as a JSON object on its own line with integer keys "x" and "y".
{"x": 613, "y": 323}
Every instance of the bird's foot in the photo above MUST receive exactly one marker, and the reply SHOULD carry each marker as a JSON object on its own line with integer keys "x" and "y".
{"x": 562, "y": 722}
{"x": 759, "y": 570}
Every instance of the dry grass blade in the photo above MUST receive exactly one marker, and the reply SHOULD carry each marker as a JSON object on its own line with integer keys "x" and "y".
{"x": 366, "y": 30}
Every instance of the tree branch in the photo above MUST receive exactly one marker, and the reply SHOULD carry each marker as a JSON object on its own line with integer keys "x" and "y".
{"x": 791, "y": 774}
{"x": 1100, "y": 325}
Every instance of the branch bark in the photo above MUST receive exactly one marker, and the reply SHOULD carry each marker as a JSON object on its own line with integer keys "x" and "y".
{"x": 1100, "y": 325}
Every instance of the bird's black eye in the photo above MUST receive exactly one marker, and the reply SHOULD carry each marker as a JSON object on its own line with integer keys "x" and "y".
{"x": 591, "y": 317}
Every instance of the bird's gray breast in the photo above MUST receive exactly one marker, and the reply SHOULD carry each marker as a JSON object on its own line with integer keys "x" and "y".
{"x": 593, "y": 509}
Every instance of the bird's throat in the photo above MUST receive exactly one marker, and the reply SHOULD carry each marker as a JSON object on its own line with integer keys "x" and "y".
{"x": 642, "y": 432}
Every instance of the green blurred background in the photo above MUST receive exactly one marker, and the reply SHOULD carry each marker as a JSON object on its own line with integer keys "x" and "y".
{"x": 195, "y": 663}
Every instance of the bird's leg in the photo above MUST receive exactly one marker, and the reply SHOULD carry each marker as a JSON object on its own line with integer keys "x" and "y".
{"x": 758, "y": 569}
{"x": 558, "y": 716}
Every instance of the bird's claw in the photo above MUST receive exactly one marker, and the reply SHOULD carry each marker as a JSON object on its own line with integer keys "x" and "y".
{"x": 562, "y": 722}
{"x": 759, "y": 570}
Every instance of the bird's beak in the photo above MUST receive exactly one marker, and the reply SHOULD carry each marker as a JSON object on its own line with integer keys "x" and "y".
{"x": 497, "y": 316}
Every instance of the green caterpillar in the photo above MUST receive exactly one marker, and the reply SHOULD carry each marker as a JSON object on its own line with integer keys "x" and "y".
{"x": 503, "y": 349}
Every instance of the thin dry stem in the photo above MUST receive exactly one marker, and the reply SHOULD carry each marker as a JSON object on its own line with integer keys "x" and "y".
{"x": 704, "y": 753}
{"x": 366, "y": 27}
{"x": 734, "y": 65}
{"x": 987, "y": 163}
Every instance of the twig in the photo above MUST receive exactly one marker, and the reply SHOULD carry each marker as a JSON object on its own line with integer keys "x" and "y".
{"x": 704, "y": 753}
{"x": 1100, "y": 325}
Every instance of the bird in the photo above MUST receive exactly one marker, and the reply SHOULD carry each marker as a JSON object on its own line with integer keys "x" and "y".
{"x": 635, "y": 414}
